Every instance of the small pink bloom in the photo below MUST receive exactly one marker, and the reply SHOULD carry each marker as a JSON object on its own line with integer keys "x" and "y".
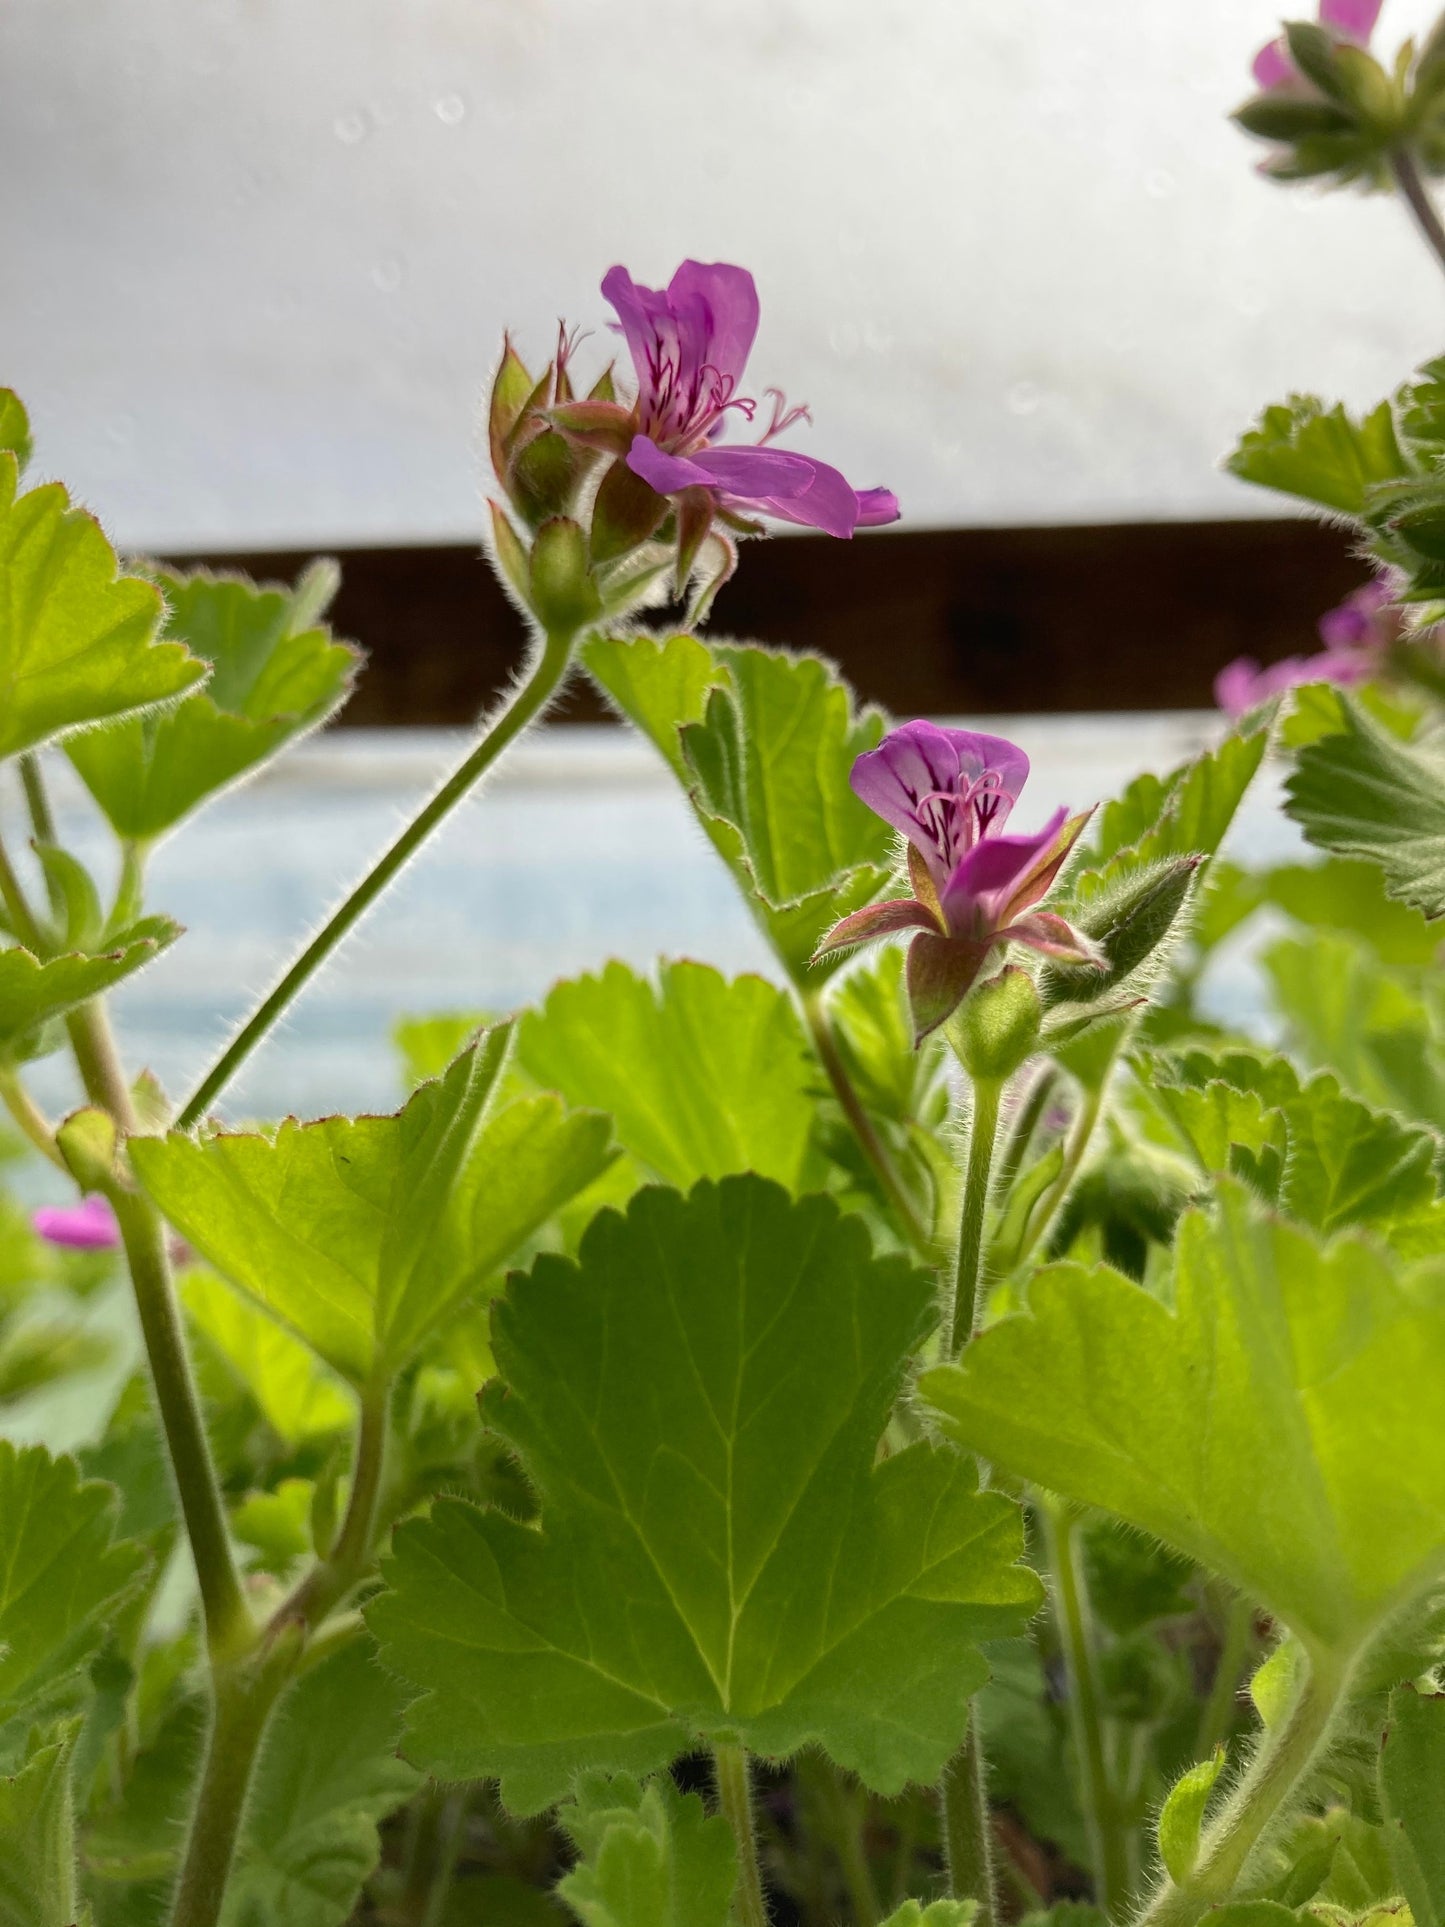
{"x": 950, "y": 792}
{"x": 87, "y": 1226}
{"x": 1358, "y": 636}
{"x": 1352, "y": 20}
{"x": 689, "y": 344}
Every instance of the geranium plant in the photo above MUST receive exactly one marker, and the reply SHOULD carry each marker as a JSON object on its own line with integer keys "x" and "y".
{"x": 946, "y": 1432}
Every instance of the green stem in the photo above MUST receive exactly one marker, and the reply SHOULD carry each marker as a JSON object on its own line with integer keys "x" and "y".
{"x": 1110, "y": 1848}
{"x": 1417, "y": 198}
{"x": 1080, "y": 1136}
{"x": 968, "y": 1273}
{"x": 329, "y": 1581}
{"x": 1021, "y": 1131}
{"x": 1224, "y": 1691}
{"x": 228, "y": 1622}
{"x": 42, "y": 821}
{"x": 29, "y": 1119}
{"x": 22, "y": 917}
{"x": 735, "y": 1801}
{"x": 244, "y": 1700}
{"x": 551, "y": 663}
{"x": 436, "y": 1838}
{"x": 852, "y": 1815}
{"x": 874, "y": 1149}
{"x": 1262, "y": 1796}
{"x": 967, "y": 1832}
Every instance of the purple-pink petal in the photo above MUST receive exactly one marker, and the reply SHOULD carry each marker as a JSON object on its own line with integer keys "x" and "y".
{"x": 876, "y": 506}
{"x": 877, "y": 920}
{"x": 1354, "y": 18}
{"x": 919, "y": 759}
{"x": 717, "y": 306}
{"x": 1242, "y": 684}
{"x": 829, "y": 502}
{"x": 1048, "y": 933}
{"x": 985, "y": 878}
{"x": 1273, "y": 66}
{"x": 735, "y": 472}
{"x": 87, "y": 1226}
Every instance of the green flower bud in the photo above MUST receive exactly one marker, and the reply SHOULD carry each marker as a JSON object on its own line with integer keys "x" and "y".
{"x": 996, "y": 1027}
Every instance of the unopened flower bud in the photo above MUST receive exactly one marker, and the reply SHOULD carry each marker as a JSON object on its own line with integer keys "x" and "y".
{"x": 625, "y": 514}
{"x": 562, "y": 593}
{"x": 1126, "y": 927}
{"x": 996, "y": 1027}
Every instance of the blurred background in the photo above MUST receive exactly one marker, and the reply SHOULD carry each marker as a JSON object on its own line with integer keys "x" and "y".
{"x": 259, "y": 256}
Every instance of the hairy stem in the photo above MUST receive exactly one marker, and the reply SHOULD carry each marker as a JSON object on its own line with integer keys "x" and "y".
{"x": 851, "y": 1808}
{"x": 967, "y": 1833}
{"x": 42, "y": 821}
{"x": 1111, "y": 1849}
{"x": 1263, "y": 1795}
{"x": 432, "y": 1848}
{"x": 874, "y": 1149}
{"x": 550, "y": 665}
{"x": 333, "y": 1577}
{"x": 968, "y": 1273}
{"x": 228, "y": 1623}
{"x": 29, "y": 1119}
{"x": 245, "y": 1697}
{"x": 1021, "y": 1131}
{"x": 1224, "y": 1690}
{"x": 1417, "y": 198}
{"x": 22, "y": 917}
{"x": 735, "y": 1802}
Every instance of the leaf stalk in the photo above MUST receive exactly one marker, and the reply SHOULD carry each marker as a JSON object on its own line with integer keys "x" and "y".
{"x": 735, "y": 1802}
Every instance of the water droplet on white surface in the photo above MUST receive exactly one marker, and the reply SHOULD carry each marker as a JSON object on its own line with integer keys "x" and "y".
{"x": 387, "y": 275}
{"x": 450, "y": 109}
{"x": 349, "y": 129}
{"x": 1024, "y": 397}
{"x": 1159, "y": 184}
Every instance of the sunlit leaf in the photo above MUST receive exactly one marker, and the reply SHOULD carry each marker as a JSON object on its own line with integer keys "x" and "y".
{"x": 1320, "y": 454}
{"x": 697, "y": 1402}
{"x": 77, "y": 639}
{"x": 32, "y": 992}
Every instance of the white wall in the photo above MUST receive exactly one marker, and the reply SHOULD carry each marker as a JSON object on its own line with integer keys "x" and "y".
{"x": 256, "y": 255}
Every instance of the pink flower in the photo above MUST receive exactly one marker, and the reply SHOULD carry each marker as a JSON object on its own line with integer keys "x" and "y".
{"x": 87, "y": 1226}
{"x": 1352, "y": 20}
{"x": 1358, "y": 635}
{"x": 950, "y": 792}
{"x": 689, "y": 344}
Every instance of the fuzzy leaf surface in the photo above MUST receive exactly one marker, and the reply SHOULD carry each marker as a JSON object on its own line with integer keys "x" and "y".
{"x": 269, "y": 680}
{"x": 32, "y": 992}
{"x": 1412, "y": 1791}
{"x": 702, "y": 1075}
{"x": 37, "y": 1833}
{"x": 651, "y": 1856}
{"x": 328, "y": 1775}
{"x": 1321, "y": 454}
{"x": 364, "y": 1234}
{"x": 697, "y": 1401}
{"x": 77, "y": 638}
{"x": 1320, "y": 1368}
{"x": 60, "y": 1574}
{"x": 1361, "y": 792}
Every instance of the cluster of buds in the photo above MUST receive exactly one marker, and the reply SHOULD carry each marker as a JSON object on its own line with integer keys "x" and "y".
{"x": 1330, "y": 109}
{"x": 625, "y": 498}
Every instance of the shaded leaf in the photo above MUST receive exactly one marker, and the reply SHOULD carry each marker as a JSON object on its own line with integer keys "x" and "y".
{"x": 77, "y": 639}
{"x": 1361, "y": 792}
{"x": 37, "y": 1829}
{"x": 698, "y": 1402}
{"x": 60, "y": 1574}
{"x": 651, "y": 1857}
{"x": 1412, "y": 1792}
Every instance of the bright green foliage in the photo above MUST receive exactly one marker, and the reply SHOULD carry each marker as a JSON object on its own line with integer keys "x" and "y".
{"x": 298, "y": 1397}
{"x": 801, "y": 846}
{"x": 328, "y": 1774}
{"x": 1345, "y": 895}
{"x": 15, "y": 437}
{"x": 60, "y": 1575}
{"x": 697, "y": 1402}
{"x": 651, "y": 1857}
{"x": 77, "y": 640}
{"x": 1321, "y": 454}
{"x": 1412, "y": 1792}
{"x": 32, "y": 992}
{"x": 277, "y": 1524}
{"x": 702, "y": 1076}
{"x": 428, "y": 1044}
{"x": 1182, "y": 1816}
{"x": 1228, "y": 1129}
{"x": 37, "y": 1835}
{"x": 273, "y": 674}
{"x": 1361, "y": 792}
{"x": 364, "y": 1234}
{"x": 1315, "y": 1481}
{"x": 1184, "y": 813}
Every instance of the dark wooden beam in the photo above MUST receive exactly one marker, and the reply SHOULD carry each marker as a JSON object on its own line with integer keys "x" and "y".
{"x": 966, "y": 622}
